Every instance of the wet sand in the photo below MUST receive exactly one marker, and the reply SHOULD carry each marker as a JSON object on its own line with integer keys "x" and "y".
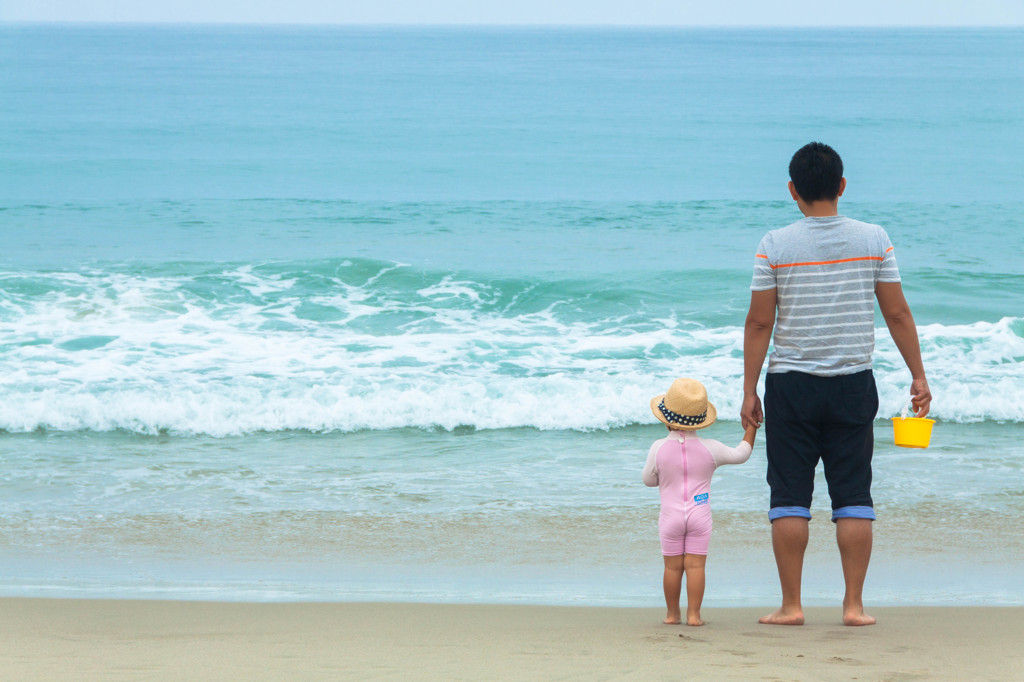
{"x": 63, "y": 639}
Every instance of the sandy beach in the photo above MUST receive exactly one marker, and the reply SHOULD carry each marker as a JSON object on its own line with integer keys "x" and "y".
{"x": 58, "y": 639}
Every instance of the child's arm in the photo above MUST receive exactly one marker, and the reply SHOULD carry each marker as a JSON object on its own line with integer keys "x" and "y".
{"x": 650, "y": 474}
{"x": 750, "y": 434}
{"x": 723, "y": 454}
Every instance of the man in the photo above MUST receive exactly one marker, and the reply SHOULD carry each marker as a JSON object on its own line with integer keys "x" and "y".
{"x": 822, "y": 275}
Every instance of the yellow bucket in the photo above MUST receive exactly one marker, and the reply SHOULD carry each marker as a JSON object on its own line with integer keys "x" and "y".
{"x": 912, "y": 432}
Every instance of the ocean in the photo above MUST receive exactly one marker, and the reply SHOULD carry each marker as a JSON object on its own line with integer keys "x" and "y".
{"x": 297, "y": 313}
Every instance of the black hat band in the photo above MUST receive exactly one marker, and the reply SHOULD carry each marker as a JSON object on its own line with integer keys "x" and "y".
{"x": 681, "y": 419}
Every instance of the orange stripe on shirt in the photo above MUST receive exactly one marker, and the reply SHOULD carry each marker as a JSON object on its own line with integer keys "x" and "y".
{"x": 825, "y": 262}
{"x": 889, "y": 249}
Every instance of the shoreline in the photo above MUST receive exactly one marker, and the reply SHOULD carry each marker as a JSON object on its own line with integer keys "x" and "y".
{"x": 56, "y": 639}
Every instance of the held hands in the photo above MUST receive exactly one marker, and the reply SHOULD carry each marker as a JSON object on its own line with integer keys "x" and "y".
{"x": 751, "y": 414}
{"x": 922, "y": 397}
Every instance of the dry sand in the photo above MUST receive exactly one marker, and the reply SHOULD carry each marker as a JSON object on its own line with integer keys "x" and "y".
{"x": 60, "y": 639}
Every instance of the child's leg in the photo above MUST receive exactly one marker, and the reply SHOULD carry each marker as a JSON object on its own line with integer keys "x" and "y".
{"x": 673, "y": 582}
{"x": 694, "y": 564}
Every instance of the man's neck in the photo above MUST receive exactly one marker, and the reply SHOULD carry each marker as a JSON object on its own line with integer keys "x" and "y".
{"x": 819, "y": 209}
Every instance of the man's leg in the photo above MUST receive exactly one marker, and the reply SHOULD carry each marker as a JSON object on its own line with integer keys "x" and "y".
{"x": 850, "y": 439}
{"x": 854, "y": 537}
{"x": 792, "y": 441}
{"x": 789, "y": 540}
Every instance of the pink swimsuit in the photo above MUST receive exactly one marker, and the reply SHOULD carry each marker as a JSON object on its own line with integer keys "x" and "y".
{"x": 681, "y": 465}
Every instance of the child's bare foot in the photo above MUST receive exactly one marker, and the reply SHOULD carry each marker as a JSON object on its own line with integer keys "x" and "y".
{"x": 693, "y": 619}
{"x": 783, "y": 617}
{"x": 857, "y": 617}
{"x": 672, "y": 619}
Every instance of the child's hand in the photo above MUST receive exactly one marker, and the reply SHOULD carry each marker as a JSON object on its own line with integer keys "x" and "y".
{"x": 749, "y": 434}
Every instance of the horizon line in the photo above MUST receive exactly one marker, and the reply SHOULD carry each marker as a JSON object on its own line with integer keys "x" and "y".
{"x": 483, "y": 24}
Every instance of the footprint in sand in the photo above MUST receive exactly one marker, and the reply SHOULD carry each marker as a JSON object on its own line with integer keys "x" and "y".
{"x": 693, "y": 639}
{"x": 764, "y": 634}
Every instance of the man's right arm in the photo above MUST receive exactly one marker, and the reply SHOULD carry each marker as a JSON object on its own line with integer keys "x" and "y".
{"x": 900, "y": 322}
{"x": 757, "y": 334}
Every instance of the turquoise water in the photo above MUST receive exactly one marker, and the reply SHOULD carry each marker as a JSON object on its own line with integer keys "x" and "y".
{"x": 282, "y": 309}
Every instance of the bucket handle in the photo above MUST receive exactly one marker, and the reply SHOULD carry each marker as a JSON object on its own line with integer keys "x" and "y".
{"x": 906, "y": 408}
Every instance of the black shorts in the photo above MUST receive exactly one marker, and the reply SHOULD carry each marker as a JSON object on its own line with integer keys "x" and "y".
{"x": 809, "y": 417}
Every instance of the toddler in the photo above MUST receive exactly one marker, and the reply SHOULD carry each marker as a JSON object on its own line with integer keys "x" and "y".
{"x": 681, "y": 465}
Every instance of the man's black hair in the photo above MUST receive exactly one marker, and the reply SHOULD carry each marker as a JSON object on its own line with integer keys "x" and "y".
{"x": 816, "y": 171}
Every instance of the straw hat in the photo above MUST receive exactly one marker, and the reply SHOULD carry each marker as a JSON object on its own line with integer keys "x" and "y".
{"x": 685, "y": 407}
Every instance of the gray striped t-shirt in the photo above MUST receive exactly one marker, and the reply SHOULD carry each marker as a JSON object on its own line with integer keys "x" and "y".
{"x": 824, "y": 270}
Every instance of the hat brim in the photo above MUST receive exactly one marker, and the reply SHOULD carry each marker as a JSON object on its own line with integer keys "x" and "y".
{"x": 708, "y": 420}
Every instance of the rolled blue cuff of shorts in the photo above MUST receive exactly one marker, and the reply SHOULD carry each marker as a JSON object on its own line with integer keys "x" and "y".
{"x": 853, "y": 513}
{"x": 779, "y": 512}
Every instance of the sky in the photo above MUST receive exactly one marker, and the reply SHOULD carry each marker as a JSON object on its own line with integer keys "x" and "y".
{"x": 601, "y": 12}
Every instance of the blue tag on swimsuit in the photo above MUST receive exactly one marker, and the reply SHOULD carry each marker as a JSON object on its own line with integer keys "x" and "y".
{"x": 700, "y": 499}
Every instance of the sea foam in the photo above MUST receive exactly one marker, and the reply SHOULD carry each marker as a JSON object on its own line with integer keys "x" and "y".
{"x": 227, "y": 351}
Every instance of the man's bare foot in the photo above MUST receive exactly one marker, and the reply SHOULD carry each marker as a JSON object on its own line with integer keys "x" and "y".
{"x": 672, "y": 619}
{"x": 694, "y": 619}
{"x": 857, "y": 617}
{"x": 783, "y": 617}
